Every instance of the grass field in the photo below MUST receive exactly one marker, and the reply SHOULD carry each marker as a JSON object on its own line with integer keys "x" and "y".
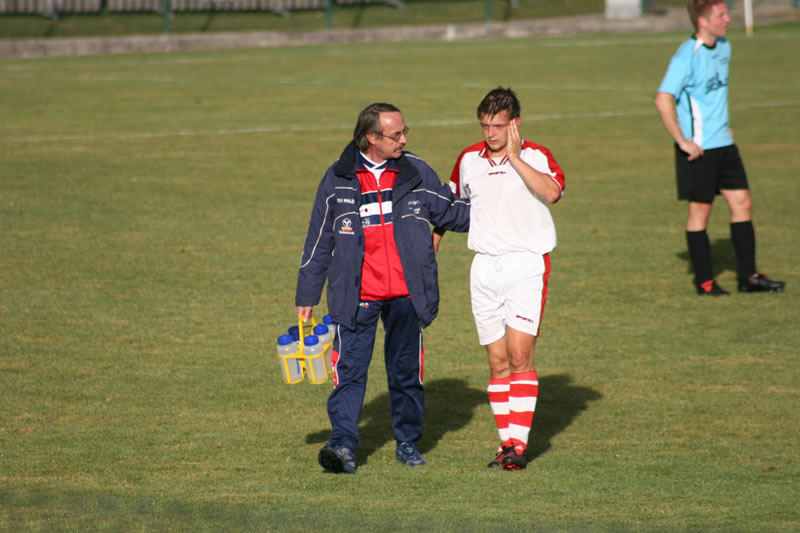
{"x": 153, "y": 209}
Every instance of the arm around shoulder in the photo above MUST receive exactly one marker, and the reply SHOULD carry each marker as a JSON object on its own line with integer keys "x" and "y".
{"x": 446, "y": 210}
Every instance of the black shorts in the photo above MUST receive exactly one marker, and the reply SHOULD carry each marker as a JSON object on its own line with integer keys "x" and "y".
{"x": 702, "y": 179}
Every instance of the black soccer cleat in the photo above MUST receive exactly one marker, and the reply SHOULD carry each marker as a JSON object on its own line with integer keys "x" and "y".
{"x": 760, "y": 283}
{"x": 502, "y": 452}
{"x": 515, "y": 461}
{"x": 710, "y": 288}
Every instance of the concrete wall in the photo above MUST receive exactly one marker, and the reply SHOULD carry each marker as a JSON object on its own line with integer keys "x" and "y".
{"x": 623, "y": 9}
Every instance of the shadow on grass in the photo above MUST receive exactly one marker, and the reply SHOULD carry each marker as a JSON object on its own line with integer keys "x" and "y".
{"x": 559, "y": 404}
{"x": 449, "y": 406}
{"x": 723, "y": 257}
{"x": 451, "y": 403}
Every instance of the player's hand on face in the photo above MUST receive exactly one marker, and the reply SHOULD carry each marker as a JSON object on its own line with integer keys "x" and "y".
{"x": 514, "y": 138}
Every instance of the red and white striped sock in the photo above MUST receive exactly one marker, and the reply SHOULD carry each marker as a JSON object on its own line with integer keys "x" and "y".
{"x": 498, "y": 400}
{"x": 524, "y": 390}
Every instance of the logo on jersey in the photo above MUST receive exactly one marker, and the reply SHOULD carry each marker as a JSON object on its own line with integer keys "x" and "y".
{"x": 715, "y": 83}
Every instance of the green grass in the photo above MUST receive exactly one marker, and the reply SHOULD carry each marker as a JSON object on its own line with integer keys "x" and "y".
{"x": 415, "y": 12}
{"x": 153, "y": 209}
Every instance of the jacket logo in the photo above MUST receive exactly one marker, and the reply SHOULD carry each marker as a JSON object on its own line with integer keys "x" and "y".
{"x": 345, "y": 200}
{"x": 347, "y": 227}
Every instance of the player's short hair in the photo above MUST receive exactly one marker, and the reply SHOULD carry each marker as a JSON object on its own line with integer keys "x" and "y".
{"x": 700, "y": 8}
{"x": 369, "y": 121}
{"x": 499, "y": 100}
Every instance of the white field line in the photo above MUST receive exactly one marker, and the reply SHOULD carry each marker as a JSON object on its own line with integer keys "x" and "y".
{"x": 332, "y": 127}
{"x": 194, "y": 82}
{"x": 576, "y": 87}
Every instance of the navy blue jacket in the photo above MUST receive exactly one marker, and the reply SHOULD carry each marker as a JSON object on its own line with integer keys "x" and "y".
{"x": 334, "y": 245}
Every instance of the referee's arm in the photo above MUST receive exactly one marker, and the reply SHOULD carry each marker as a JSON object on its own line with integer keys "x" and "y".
{"x": 665, "y": 103}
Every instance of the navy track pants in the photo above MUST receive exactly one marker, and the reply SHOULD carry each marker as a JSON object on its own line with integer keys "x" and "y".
{"x": 404, "y": 357}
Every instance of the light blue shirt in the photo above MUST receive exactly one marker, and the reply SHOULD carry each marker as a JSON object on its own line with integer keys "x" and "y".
{"x": 698, "y": 79}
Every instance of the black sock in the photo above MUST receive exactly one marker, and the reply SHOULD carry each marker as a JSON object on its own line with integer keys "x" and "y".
{"x": 744, "y": 243}
{"x": 700, "y": 255}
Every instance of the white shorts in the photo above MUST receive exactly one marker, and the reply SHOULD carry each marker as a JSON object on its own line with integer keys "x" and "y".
{"x": 508, "y": 290}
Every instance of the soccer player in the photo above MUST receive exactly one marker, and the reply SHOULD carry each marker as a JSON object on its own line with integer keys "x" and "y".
{"x": 370, "y": 237}
{"x": 510, "y": 183}
{"x": 693, "y": 103}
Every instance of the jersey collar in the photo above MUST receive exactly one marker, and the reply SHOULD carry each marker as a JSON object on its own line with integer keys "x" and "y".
{"x": 484, "y": 153}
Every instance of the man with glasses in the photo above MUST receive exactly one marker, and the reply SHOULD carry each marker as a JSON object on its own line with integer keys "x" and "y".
{"x": 370, "y": 237}
{"x": 510, "y": 183}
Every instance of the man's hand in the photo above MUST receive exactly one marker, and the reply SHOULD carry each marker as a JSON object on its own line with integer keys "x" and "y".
{"x": 514, "y": 144}
{"x": 304, "y": 313}
{"x": 694, "y": 150}
{"x": 665, "y": 103}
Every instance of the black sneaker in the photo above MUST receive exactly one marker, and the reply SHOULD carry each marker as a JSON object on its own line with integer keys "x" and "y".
{"x": 710, "y": 288}
{"x": 760, "y": 283}
{"x": 503, "y": 451}
{"x": 337, "y": 459}
{"x": 515, "y": 460}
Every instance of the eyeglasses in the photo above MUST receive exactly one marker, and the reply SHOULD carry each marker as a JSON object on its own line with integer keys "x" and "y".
{"x": 394, "y": 136}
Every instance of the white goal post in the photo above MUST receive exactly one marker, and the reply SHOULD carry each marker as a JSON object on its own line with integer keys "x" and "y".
{"x": 748, "y": 17}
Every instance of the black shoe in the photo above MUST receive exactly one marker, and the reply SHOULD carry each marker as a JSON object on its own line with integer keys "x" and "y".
{"x": 502, "y": 452}
{"x": 337, "y": 459}
{"x": 710, "y": 288}
{"x": 760, "y": 283}
{"x": 515, "y": 460}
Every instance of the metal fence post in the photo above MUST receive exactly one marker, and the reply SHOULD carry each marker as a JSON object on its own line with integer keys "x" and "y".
{"x": 165, "y": 15}
{"x": 488, "y": 10}
{"x": 329, "y": 13}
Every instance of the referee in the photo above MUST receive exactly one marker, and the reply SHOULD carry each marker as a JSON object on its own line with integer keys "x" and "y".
{"x": 693, "y": 103}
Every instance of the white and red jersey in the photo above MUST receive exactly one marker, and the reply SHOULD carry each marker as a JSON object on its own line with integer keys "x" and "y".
{"x": 506, "y": 216}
